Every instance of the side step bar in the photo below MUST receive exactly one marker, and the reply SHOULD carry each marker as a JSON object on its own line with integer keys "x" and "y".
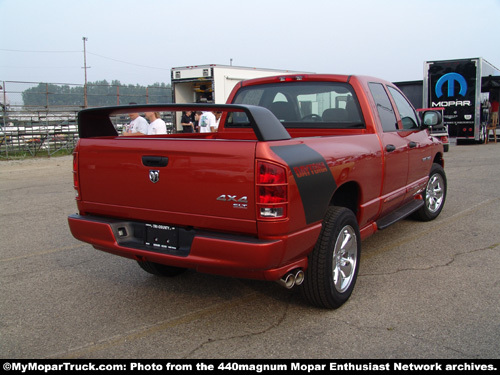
{"x": 399, "y": 214}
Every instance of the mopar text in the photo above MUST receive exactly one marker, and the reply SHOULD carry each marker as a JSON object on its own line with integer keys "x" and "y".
{"x": 452, "y": 103}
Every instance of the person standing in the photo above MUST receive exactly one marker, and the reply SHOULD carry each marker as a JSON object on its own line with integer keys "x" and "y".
{"x": 138, "y": 125}
{"x": 207, "y": 122}
{"x": 218, "y": 116}
{"x": 197, "y": 116}
{"x": 494, "y": 112}
{"x": 187, "y": 122}
{"x": 156, "y": 124}
{"x": 493, "y": 120}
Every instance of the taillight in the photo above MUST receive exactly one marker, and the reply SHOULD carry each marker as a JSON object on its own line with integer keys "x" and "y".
{"x": 76, "y": 183}
{"x": 272, "y": 191}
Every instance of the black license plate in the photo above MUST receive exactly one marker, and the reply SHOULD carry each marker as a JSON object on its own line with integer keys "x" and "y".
{"x": 162, "y": 237}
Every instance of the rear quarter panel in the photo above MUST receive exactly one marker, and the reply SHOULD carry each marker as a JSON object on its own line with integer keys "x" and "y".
{"x": 349, "y": 159}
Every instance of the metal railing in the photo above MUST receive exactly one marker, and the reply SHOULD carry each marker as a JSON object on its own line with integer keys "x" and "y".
{"x": 40, "y": 118}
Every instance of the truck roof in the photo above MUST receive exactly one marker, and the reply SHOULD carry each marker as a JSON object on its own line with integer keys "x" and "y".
{"x": 312, "y": 77}
{"x": 191, "y": 67}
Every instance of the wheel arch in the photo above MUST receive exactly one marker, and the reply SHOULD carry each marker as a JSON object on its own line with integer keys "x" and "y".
{"x": 347, "y": 195}
{"x": 438, "y": 159}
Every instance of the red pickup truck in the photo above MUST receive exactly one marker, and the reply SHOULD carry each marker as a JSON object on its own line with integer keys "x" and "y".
{"x": 300, "y": 170}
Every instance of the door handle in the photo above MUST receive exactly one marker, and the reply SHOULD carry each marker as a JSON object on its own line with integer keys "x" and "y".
{"x": 412, "y": 144}
{"x": 390, "y": 148}
{"x": 155, "y": 161}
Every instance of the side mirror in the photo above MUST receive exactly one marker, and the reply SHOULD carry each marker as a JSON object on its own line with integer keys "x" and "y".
{"x": 432, "y": 118}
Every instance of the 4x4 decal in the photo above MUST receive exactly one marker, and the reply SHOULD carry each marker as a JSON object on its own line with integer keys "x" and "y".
{"x": 238, "y": 202}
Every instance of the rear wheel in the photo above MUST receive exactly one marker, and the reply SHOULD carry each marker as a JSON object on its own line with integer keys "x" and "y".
{"x": 334, "y": 263}
{"x": 160, "y": 269}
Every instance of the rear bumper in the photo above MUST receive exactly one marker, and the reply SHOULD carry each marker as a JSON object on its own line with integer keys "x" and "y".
{"x": 209, "y": 252}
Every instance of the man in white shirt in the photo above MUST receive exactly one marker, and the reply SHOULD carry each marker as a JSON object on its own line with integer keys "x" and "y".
{"x": 207, "y": 122}
{"x": 156, "y": 124}
{"x": 138, "y": 125}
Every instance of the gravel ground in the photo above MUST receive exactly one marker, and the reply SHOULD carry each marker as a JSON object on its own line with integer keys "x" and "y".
{"x": 34, "y": 163}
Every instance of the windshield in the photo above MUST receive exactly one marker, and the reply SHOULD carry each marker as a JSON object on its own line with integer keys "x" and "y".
{"x": 303, "y": 104}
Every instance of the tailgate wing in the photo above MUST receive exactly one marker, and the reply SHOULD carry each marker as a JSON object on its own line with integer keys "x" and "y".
{"x": 96, "y": 122}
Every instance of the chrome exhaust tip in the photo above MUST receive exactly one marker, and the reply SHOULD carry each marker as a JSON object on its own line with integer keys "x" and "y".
{"x": 288, "y": 281}
{"x": 292, "y": 278}
{"x": 299, "y": 277}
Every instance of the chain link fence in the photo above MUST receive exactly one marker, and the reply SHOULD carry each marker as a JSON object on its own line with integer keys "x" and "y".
{"x": 40, "y": 118}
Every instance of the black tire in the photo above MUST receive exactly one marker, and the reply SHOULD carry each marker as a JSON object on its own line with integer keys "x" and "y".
{"x": 160, "y": 269}
{"x": 334, "y": 263}
{"x": 434, "y": 195}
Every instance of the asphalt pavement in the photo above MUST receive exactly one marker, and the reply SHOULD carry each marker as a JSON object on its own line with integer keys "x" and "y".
{"x": 425, "y": 290}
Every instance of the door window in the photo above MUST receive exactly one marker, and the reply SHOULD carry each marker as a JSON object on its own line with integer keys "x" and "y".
{"x": 406, "y": 112}
{"x": 384, "y": 107}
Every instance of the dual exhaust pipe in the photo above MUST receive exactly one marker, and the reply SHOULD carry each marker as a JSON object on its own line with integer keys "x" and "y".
{"x": 292, "y": 278}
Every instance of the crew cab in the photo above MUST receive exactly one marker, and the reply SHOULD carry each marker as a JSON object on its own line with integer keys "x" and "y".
{"x": 301, "y": 169}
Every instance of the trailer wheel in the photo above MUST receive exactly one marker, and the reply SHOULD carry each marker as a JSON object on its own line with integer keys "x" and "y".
{"x": 160, "y": 269}
{"x": 434, "y": 195}
{"x": 334, "y": 263}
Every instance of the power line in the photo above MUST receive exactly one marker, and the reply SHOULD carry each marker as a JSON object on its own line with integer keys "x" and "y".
{"x": 28, "y": 51}
{"x": 90, "y": 53}
{"x": 37, "y": 67}
{"x": 125, "y": 62}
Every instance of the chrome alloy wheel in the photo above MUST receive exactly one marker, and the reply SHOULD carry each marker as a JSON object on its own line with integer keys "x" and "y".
{"x": 434, "y": 193}
{"x": 334, "y": 262}
{"x": 344, "y": 258}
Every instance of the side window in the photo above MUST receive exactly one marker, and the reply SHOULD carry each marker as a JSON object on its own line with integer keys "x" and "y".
{"x": 384, "y": 107}
{"x": 406, "y": 112}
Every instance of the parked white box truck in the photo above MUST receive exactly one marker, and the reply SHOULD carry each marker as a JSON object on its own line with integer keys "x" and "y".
{"x": 212, "y": 83}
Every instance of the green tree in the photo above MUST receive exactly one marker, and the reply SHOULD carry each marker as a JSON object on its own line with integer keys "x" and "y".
{"x": 99, "y": 93}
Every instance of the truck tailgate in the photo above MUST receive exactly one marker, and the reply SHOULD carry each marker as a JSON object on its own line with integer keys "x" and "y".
{"x": 202, "y": 183}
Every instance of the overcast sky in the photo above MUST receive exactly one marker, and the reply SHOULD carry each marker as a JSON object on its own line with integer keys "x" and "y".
{"x": 140, "y": 41}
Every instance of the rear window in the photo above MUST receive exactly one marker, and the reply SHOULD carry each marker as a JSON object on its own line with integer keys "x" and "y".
{"x": 303, "y": 104}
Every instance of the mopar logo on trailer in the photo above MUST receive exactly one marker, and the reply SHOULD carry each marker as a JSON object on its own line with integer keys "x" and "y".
{"x": 450, "y": 79}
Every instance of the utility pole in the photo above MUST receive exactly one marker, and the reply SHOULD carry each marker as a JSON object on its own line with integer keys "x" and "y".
{"x": 85, "y": 103}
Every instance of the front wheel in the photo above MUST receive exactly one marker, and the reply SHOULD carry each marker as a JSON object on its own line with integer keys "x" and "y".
{"x": 434, "y": 194}
{"x": 334, "y": 263}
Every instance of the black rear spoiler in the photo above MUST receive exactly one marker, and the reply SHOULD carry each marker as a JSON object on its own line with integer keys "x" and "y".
{"x": 96, "y": 122}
